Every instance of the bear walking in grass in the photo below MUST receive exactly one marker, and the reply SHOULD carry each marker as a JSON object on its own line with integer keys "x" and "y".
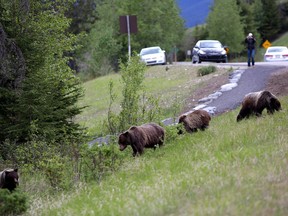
{"x": 198, "y": 119}
{"x": 9, "y": 179}
{"x": 255, "y": 102}
{"x": 140, "y": 137}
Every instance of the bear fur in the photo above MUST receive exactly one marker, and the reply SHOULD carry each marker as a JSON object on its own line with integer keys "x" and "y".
{"x": 255, "y": 102}
{"x": 9, "y": 179}
{"x": 198, "y": 119}
{"x": 140, "y": 137}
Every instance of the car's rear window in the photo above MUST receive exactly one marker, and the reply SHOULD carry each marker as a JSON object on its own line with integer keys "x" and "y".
{"x": 277, "y": 49}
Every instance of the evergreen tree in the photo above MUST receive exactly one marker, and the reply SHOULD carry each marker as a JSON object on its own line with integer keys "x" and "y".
{"x": 83, "y": 15}
{"x": 45, "y": 103}
{"x": 267, "y": 18}
{"x": 224, "y": 24}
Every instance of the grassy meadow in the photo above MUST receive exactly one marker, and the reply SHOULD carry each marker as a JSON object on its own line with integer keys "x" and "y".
{"x": 229, "y": 169}
{"x": 172, "y": 86}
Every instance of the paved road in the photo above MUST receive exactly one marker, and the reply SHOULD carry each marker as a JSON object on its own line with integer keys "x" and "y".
{"x": 243, "y": 80}
{"x": 252, "y": 79}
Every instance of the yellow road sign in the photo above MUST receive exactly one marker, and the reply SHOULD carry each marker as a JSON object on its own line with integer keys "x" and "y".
{"x": 266, "y": 44}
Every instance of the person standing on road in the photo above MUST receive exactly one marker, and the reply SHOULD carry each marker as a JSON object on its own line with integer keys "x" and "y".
{"x": 250, "y": 41}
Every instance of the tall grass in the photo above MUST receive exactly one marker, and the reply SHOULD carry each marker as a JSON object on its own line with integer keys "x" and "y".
{"x": 229, "y": 169}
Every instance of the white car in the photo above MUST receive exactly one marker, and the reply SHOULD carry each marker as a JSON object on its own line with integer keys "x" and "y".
{"x": 153, "y": 55}
{"x": 276, "y": 53}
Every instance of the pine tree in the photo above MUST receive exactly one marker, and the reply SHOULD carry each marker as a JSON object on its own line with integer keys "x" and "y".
{"x": 45, "y": 104}
{"x": 267, "y": 18}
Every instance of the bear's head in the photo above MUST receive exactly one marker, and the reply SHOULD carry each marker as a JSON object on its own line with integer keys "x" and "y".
{"x": 124, "y": 140}
{"x": 275, "y": 104}
{"x": 11, "y": 180}
{"x": 239, "y": 117}
{"x": 180, "y": 127}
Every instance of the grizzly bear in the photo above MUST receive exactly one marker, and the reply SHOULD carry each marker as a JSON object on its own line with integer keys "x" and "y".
{"x": 255, "y": 102}
{"x": 9, "y": 179}
{"x": 198, "y": 119}
{"x": 140, "y": 137}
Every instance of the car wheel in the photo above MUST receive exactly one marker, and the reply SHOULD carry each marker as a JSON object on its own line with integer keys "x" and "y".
{"x": 193, "y": 59}
{"x": 196, "y": 59}
{"x": 165, "y": 60}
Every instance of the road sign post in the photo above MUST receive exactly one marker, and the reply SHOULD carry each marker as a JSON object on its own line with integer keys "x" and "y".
{"x": 266, "y": 44}
{"x": 128, "y": 24}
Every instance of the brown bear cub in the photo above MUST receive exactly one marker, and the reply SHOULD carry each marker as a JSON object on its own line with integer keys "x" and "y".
{"x": 255, "y": 102}
{"x": 140, "y": 137}
{"x": 9, "y": 179}
{"x": 198, "y": 119}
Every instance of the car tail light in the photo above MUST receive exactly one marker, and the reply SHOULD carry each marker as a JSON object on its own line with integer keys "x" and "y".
{"x": 268, "y": 56}
{"x": 285, "y": 56}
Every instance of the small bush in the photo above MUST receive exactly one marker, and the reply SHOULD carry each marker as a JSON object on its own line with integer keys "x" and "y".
{"x": 171, "y": 133}
{"x": 98, "y": 161}
{"x": 137, "y": 107}
{"x": 206, "y": 70}
{"x": 55, "y": 170}
{"x": 14, "y": 203}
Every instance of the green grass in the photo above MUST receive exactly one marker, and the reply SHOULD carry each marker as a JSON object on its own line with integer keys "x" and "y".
{"x": 171, "y": 86}
{"x": 229, "y": 169}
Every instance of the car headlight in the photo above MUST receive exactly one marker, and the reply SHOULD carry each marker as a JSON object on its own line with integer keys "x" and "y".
{"x": 202, "y": 52}
{"x": 223, "y": 52}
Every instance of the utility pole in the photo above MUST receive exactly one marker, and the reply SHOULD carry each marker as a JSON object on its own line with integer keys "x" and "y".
{"x": 128, "y": 24}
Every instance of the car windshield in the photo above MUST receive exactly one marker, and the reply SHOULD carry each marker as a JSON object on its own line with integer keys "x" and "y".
{"x": 150, "y": 51}
{"x": 277, "y": 49}
{"x": 210, "y": 44}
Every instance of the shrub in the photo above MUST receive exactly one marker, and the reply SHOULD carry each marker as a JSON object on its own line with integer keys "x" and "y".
{"x": 171, "y": 133}
{"x": 136, "y": 107}
{"x": 14, "y": 203}
{"x": 55, "y": 169}
{"x": 99, "y": 160}
{"x": 206, "y": 70}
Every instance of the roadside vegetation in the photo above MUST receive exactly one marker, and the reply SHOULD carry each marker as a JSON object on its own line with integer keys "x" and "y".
{"x": 170, "y": 87}
{"x": 65, "y": 80}
{"x": 231, "y": 168}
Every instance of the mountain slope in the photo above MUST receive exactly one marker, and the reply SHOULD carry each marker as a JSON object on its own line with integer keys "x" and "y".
{"x": 194, "y": 12}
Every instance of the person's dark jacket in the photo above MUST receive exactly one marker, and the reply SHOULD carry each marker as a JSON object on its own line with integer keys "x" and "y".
{"x": 250, "y": 41}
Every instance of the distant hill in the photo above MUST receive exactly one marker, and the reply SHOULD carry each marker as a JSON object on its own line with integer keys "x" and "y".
{"x": 194, "y": 12}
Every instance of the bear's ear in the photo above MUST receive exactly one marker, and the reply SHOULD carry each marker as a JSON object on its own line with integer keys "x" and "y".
{"x": 126, "y": 133}
{"x": 132, "y": 128}
{"x": 181, "y": 119}
{"x": 16, "y": 170}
